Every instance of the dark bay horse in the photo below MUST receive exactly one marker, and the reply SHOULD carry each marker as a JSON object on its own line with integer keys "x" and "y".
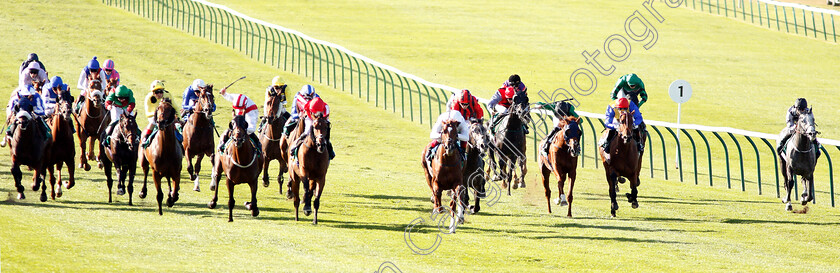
{"x": 311, "y": 170}
{"x": 164, "y": 155}
{"x": 29, "y": 147}
{"x": 474, "y": 175}
{"x": 800, "y": 158}
{"x": 509, "y": 144}
{"x": 198, "y": 134}
{"x": 240, "y": 163}
{"x": 90, "y": 122}
{"x": 445, "y": 173}
{"x": 271, "y": 136}
{"x": 562, "y": 161}
{"x": 62, "y": 147}
{"x": 122, "y": 154}
{"x": 625, "y": 161}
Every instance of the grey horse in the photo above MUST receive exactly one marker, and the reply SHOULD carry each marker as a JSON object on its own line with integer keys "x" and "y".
{"x": 800, "y": 158}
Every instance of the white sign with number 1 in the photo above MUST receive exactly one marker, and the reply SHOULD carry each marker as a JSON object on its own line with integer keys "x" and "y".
{"x": 680, "y": 92}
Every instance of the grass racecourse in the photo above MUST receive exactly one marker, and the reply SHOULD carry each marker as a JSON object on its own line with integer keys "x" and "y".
{"x": 743, "y": 77}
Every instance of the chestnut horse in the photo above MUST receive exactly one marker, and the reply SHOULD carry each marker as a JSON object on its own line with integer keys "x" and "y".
{"x": 164, "y": 154}
{"x": 270, "y": 137}
{"x": 90, "y": 121}
{"x": 241, "y": 163}
{"x": 311, "y": 169}
{"x": 198, "y": 134}
{"x": 562, "y": 160}
{"x": 445, "y": 173}
{"x": 625, "y": 160}
{"x": 29, "y": 147}
{"x": 62, "y": 148}
{"x": 122, "y": 154}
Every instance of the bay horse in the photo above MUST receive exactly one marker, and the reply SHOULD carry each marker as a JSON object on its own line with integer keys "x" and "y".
{"x": 110, "y": 86}
{"x": 198, "y": 134}
{"x": 122, "y": 154}
{"x": 62, "y": 147}
{"x": 625, "y": 161}
{"x": 89, "y": 122}
{"x": 800, "y": 158}
{"x": 240, "y": 163}
{"x": 445, "y": 173}
{"x": 164, "y": 155}
{"x": 311, "y": 168}
{"x": 29, "y": 147}
{"x": 562, "y": 160}
{"x": 271, "y": 136}
{"x": 509, "y": 144}
{"x": 474, "y": 176}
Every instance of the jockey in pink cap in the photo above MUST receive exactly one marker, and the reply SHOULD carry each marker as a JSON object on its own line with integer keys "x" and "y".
{"x": 111, "y": 73}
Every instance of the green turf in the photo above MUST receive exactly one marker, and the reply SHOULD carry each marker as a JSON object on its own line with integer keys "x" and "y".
{"x": 374, "y": 189}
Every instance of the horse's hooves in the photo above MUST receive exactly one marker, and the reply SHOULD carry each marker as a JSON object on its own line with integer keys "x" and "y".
{"x": 21, "y": 196}
{"x": 69, "y": 184}
{"x": 247, "y": 205}
{"x": 804, "y": 203}
{"x": 87, "y": 167}
{"x": 515, "y": 185}
{"x": 142, "y": 194}
{"x": 522, "y": 184}
{"x": 563, "y": 203}
{"x": 99, "y": 165}
{"x": 58, "y": 194}
{"x": 266, "y": 183}
{"x": 307, "y": 212}
{"x": 211, "y": 205}
{"x": 196, "y": 188}
{"x": 474, "y": 209}
{"x": 614, "y": 206}
{"x": 170, "y": 201}
{"x": 788, "y": 207}
{"x": 120, "y": 191}
{"x": 230, "y": 220}
{"x": 621, "y": 180}
{"x": 35, "y": 186}
{"x": 635, "y": 205}
{"x": 612, "y": 214}
{"x": 289, "y": 195}
{"x": 556, "y": 201}
{"x": 255, "y": 212}
{"x": 212, "y": 187}
{"x": 504, "y": 185}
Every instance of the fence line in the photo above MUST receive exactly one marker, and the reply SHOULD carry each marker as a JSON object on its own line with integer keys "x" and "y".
{"x": 423, "y": 101}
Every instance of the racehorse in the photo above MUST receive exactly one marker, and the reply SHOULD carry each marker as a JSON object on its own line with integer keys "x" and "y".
{"x": 62, "y": 147}
{"x": 198, "y": 134}
{"x": 509, "y": 144}
{"x": 445, "y": 172}
{"x": 800, "y": 158}
{"x": 121, "y": 152}
{"x": 164, "y": 154}
{"x": 625, "y": 160}
{"x": 28, "y": 147}
{"x": 312, "y": 165}
{"x": 241, "y": 163}
{"x": 271, "y": 136}
{"x": 562, "y": 160}
{"x": 474, "y": 176}
{"x": 90, "y": 121}
{"x": 111, "y": 86}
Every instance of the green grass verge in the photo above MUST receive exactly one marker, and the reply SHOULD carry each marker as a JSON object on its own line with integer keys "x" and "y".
{"x": 374, "y": 189}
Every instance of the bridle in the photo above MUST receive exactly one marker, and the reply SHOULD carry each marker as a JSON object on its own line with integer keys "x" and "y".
{"x": 239, "y": 137}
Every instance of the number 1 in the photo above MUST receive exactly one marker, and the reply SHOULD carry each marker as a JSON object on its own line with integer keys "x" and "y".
{"x": 681, "y": 91}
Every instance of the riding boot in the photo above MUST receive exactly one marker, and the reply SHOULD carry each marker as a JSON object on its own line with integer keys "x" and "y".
{"x": 781, "y": 145}
{"x": 224, "y": 140}
{"x": 290, "y": 125}
{"x": 817, "y": 149}
{"x": 548, "y": 140}
{"x": 296, "y": 146}
{"x": 431, "y": 151}
{"x": 262, "y": 123}
{"x": 78, "y": 107}
{"x": 9, "y": 132}
{"x": 606, "y": 145}
{"x": 257, "y": 143}
{"x": 330, "y": 150}
{"x": 525, "y": 127}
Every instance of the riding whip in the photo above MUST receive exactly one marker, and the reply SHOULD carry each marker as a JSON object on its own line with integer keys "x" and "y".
{"x": 231, "y": 84}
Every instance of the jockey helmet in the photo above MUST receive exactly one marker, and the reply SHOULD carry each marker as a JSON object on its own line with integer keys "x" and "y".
{"x": 622, "y": 103}
{"x": 307, "y": 91}
{"x": 509, "y": 92}
{"x": 93, "y": 64}
{"x": 465, "y": 96}
{"x": 26, "y": 91}
{"x": 317, "y": 105}
{"x": 123, "y": 92}
{"x": 32, "y": 57}
{"x": 56, "y": 81}
{"x": 276, "y": 81}
{"x": 198, "y": 83}
{"x": 109, "y": 64}
{"x": 33, "y": 67}
{"x": 801, "y": 104}
{"x": 156, "y": 85}
{"x": 514, "y": 80}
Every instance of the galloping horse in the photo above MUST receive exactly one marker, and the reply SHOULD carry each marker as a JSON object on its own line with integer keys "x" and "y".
{"x": 474, "y": 176}
{"x": 509, "y": 144}
{"x": 241, "y": 163}
{"x": 28, "y": 147}
{"x": 270, "y": 138}
{"x": 198, "y": 134}
{"x": 562, "y": 160}
{"x": 122, "y": 153}
{"x": 311, "y": 169}
{"x": 445, "y": 173}
{"x": 164, "y": 155}
{"x": 89, "y": 122}
{"x": 625, "y": 161}
{"x": 62, "y": 148}
{"x": 800, "y": 158}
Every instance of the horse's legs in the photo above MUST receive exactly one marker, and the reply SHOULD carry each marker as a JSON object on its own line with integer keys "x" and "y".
{"x": 51, "y": 173}
{"x": 173, "y": 193}
{"x": 214, "y": 180}
{"x": 83, "y": 156}
{"x": 189, "y": 164}
{"x": 121, "y": 174}
{"x": 40, "y": 175}
{"x": 266, "y": 162}
{"x": 231, "y": 202}
{"x": 611, "y": 180}
{"x": 71, "y": 170}
{"x": 132, "y": 170}
{"x": 18, "y": 175}
{"x": 294, "y": 182}
{"x": 788, "y": 186}
{"x": 561, "y": 184}
{"x": 59, "y": 181}
{"x": 523, "y": 169}
{"x": 176, "y": 179}
{"x": 546, "y": 173}
{"x": 317, "y": 202}
{"x": 215, "y": 174}
{"x": 634, "y": 192}
{"x": 109, "y": 180}
{"x": 807, "y": 186}
{"x": 144, "y": 166}
{"x": 159, "y": 196}
{"x": 572, "y": 176}
{"x": 252, "y": 206}
{"x": 197, "y": 167}
{"x": 308, "y": 188}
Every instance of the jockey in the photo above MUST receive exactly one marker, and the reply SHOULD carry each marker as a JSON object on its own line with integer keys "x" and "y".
{"x": 52, "y": 91}
{"x": 633, "y": 87}
{"x": 110, "y": 72}
{"x": 91, "y": 69}
{"x": 467, "y": 105}
{"x": 463, "y": 133}
{"x": 794, "y": 112}
{"x": 306, "y": 94}
{"x": 118, "y": 103}
{"x": 277, "y": 88}
{"x": 315, "y": 107}
{"x": 190, "y": 97}
{"x": 157, "y": 93}
{"x": 31, "y": 74}
{"x": 504, "y": 97}
{"x": 621, "y": 104}
{"x": 32, "y": 58}
{"x": 244, "y": 106}
{"x": 27, "y": 103}
{"x": 561, "y": 110}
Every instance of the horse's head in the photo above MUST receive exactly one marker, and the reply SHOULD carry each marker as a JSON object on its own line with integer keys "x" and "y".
{"x": 239, "y": 130}
{"x": 96, "y": 97}
{"x": 206, "y": 100}
{"x": 38, "y": 85}
{"x": 625, "y": 128}
{"x": 111, "y": 84}
{"x": 571, "y": 135}
{"x": 23, "y": 119}
{"x": 275, "y": 99}
{"x": 479, "y": 135}
{"x": 321, "y": 132}
{"x": 129, "y": 130}
{"x": 165, "y": 114}
{"x": 449, "y": 136}
{"x": 64, "y": 106}
{"x": 806, "y": 125}
{"x": 520, "y": 107}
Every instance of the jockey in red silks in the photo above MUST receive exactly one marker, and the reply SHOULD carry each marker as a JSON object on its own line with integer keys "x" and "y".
{"x": 504, "y": 97}
{"x": 303, "y": 97}
{"x": 312, "y": 110}
{"x": 467, "y": 105}
{"x": 243, "y": 106}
